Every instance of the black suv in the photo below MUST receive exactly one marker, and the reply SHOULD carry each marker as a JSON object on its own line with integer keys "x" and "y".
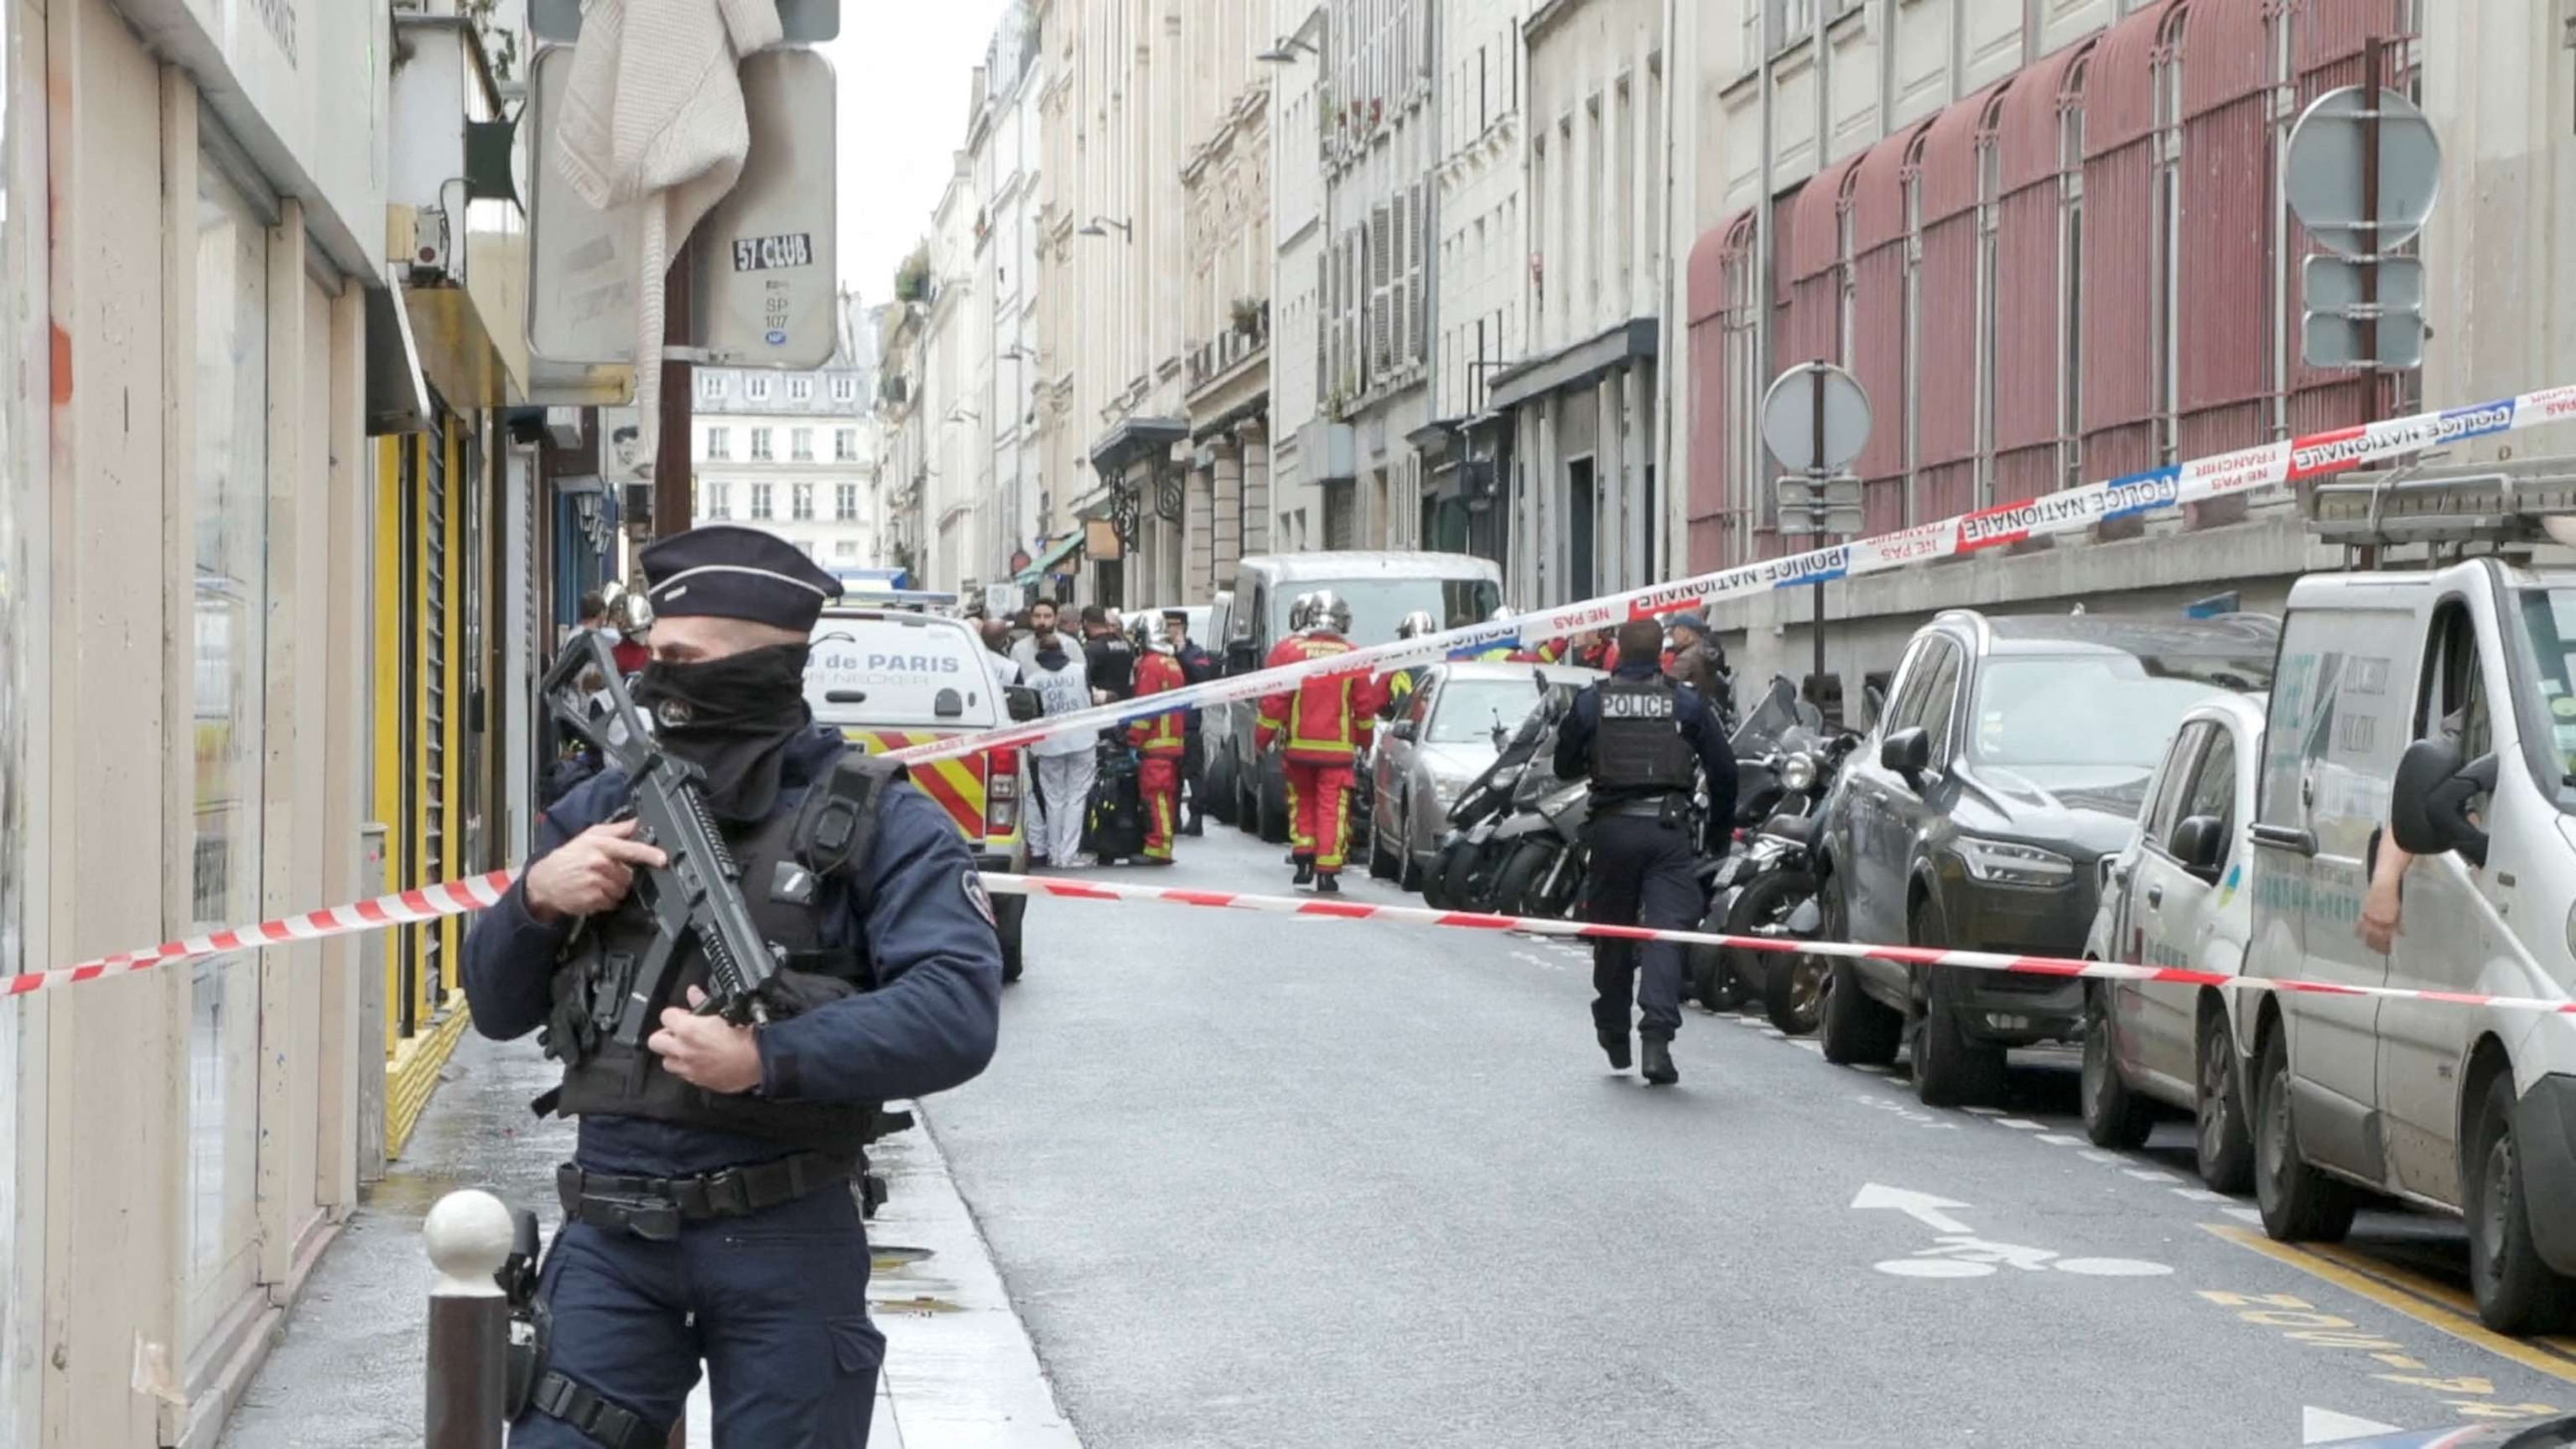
{"x": 2011, "y": 756}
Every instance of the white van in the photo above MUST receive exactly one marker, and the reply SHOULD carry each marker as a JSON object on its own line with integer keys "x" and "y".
{"x": 2444, "y": 700}
{"x": 890, "y": 679}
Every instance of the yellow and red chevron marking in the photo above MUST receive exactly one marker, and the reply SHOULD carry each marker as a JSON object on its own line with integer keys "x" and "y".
{"x": 957, "y": 784}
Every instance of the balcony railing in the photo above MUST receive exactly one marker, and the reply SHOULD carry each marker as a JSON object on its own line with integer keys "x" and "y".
{"x": 1229, "y": 349}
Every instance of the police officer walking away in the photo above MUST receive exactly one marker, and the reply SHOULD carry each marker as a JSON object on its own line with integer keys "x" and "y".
{"x": 709, "y": 1212}
{"x": 1643, "y": 741}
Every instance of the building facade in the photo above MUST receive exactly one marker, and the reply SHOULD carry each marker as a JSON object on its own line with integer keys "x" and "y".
{"x": 1306, "y": 446}
{"x": 1226, "y": 180}
{"x": 796, "y": 453}
{"x": 1004, "y": 142}
{"x": 1583, "y": 397}
{"x": 2054, "y": 250}
{"x": 1381, "y": 143}
{"x": 1478, "y": 298}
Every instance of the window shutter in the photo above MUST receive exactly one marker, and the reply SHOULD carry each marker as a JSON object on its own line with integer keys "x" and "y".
{"x": 1420, "y": 324}
{"x": 1379, "y": 311}
{"x": 1399, "y": 291}
{"x": 1324, "y": 355}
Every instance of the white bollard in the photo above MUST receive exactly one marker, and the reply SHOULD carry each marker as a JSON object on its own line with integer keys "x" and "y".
{"x": 468, "y": 1238}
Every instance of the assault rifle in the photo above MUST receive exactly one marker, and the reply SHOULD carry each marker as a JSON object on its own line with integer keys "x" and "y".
{"x": 698, "y": 891}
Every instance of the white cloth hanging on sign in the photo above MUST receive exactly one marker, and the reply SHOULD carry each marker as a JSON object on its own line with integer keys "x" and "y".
{"x": 653, "y": 114}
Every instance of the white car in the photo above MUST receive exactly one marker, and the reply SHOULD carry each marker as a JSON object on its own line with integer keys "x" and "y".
{"x": 2176, "y": 896}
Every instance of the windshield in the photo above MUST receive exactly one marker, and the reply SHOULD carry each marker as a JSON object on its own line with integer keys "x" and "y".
{"x": 1378, "y": 605}
{"x": 2546, "y": 704}
{"x": 1470, "y": 708}
{"x": 2097, "y": 710}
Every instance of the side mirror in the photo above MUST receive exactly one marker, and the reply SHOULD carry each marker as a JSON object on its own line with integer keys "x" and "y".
{"x": 2428, "y": 807}
{"x": 1024, "y": 703}
{"x": 2200, "y": 843}
{"x": 1873, "y": 701}
{"x": 1908, "y": 752}
{"x": 1239, "y": 658}
{"x": 1402, "y": 729}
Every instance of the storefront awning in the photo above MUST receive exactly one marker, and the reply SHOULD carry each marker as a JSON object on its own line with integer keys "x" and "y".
{"x": 1630, "y": 341}
{"x": 1055, "y": 554}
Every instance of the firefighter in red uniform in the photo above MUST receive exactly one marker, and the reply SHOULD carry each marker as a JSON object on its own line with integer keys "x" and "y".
{"x": 1321, "y": 725}
{"x": 1161, "y": 738}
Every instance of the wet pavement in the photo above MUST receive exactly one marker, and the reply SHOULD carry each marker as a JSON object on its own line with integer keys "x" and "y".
{"x": 347, "y": 1370}
{"x": 1288, "y": 1181}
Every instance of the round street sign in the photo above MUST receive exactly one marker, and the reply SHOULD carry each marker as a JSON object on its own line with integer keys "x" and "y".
{"x": 1807, "y": 438}
{"x": 2321, "y": 175}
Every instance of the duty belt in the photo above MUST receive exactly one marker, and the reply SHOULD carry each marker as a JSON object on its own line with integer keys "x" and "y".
{"x": 655, "y": 1207}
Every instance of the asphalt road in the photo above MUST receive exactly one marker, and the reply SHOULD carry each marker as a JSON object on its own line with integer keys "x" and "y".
{"x": 1255, "y": 1180}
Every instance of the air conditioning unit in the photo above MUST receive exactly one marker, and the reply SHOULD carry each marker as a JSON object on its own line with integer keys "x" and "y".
{"x": 432, "y": 253}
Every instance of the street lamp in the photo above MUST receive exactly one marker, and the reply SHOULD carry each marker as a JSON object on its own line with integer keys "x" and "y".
{"x": 1284, "y": 50}
{"x": 1099, "y": 226}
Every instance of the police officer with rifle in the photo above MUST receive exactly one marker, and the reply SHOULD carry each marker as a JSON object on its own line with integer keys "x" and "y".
{"x": 1644, "y": 741}
{"x": 739, "y": 939}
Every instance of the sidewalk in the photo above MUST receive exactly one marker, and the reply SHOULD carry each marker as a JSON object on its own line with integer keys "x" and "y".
{"x": 347, "y": 1371}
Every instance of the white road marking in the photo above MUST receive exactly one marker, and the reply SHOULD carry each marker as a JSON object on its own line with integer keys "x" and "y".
{"x": 2325, "y": 1426}
{"x": 2152, "y": 1174}
{"x": 1984, "y": 1111}
{"x": 2202, "y": 1194}
{"x": 1809, "y": 1046}
{"x": 1923, "y": 1207}
{"x": 2060, "y": 1139}
{"x": 2019, "y": 1124}
{"x": 2096, "y": 1154}
{"x": 2245, "y": 1214}
{"x": 1873, "y": 1068}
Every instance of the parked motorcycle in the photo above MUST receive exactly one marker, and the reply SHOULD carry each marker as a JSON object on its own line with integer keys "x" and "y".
{"x": 1472, "y": 858}
{"x": 1545, "y": 854}
{"x": 1771, "y": 886}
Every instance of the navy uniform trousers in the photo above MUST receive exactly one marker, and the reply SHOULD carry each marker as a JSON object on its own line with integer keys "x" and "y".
{"x": 1643, "y": 873}
{"x": 775, "y": 1303}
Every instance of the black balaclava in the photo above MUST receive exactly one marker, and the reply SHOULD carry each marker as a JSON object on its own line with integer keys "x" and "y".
{"x": 732, "y": 717}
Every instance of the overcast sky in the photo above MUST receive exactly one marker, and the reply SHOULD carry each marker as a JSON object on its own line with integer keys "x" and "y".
{"x": 906, "y": 68}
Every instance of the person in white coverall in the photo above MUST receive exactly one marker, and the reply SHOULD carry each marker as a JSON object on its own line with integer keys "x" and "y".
{"x": 1054, "y": 666}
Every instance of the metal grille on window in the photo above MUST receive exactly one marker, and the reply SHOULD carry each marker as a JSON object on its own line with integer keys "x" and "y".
{"x": 433, "y": 723}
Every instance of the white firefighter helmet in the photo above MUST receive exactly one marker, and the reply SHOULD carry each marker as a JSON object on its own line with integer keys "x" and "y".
{"x": 1147, "y": 639}
{"x": 1417, "y": 624}
{"x": 1331, "y": 611}
{"x": 1301, "y": 614}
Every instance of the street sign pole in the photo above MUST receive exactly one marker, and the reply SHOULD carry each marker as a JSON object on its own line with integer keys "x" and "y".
{"x": 1817, "y": 675}
{"x": 672, "y": 464}
{"x": 2373, "y": 62}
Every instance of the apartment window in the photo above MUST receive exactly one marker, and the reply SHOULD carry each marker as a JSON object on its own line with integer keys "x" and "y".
{"x": 845, "y": 389}
{"x": 720, "y": 500}
{"x": 845, "y": 502}
{"x": 760, "y": 500}
{"x": 711, "y": 387}
{"x": 757, "y": 387}
{"x": 800, "y": 445}
{"x": 845, "y": 445}
{"x": 760, "y": 449}
{"x": 800, "y": 389}
{"x": 803, "y": 502}
{"x": 720, "y": 444}
{"x": 846, "y": 548}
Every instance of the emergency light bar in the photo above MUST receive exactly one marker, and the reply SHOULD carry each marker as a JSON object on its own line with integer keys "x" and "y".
{"x": 2504, "y": 506}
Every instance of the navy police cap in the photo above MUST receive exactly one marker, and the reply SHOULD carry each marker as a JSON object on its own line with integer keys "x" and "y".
{"x": 730, "y": 572}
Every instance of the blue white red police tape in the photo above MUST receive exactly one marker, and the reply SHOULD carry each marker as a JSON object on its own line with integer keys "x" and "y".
{"x": 474, "y": 893}
{"x": 2225, "y": 475}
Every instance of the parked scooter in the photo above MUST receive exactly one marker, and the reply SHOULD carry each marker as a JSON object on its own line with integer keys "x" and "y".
{"x": 1771, "y": 886}
{"x": 1545, "y": 854}
{"x": 1472, "y": 857}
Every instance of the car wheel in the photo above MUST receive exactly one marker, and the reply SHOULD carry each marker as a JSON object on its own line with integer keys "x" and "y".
{"x": 2517, "y": 1292}
{"x": 2114, "y": 1116}
{"x": 1380, "y": 866}
{"x": 1273, "y": 814}
{"x": 1951, "y": 1068}
{"x": 1854, "y": 1029}
{"x": 2224, "y": 1142}
{"x": 1218, "y": 783}
{"x": 2299, "y": 1203}
{"x": 1247, "y": 795}
{"x": 1713, "y": 981}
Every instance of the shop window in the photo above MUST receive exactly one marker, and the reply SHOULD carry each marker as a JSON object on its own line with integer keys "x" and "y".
{"x": 227, "y": 739}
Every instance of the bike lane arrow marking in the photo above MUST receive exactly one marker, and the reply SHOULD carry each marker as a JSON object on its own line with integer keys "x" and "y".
{"x": 1923, "y": 1207}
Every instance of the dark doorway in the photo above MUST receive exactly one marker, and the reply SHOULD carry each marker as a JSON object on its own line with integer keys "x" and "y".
{"x": 1578, "y": 530}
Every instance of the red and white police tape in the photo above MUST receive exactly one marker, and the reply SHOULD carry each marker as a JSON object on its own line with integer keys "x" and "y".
{"x": 2226, "y": 475}
{"x": 474, "y": 893}
{"x": 1071, "y": 889}
{"x": 423, "y": 903}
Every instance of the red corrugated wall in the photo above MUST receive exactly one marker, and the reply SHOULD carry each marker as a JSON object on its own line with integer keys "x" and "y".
{"x": 1878, "y": 324}
{"x": 2118, "y": 353}
{"x": 2030, "y": 138}
{"x": 1814, "y": 332}
{"x": 1716, "y": 517}
{"x": 1948, "y": 316}
{"x": 2228, "y": 317}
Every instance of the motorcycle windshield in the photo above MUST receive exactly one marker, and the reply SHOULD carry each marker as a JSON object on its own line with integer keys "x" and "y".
{"x": 1773, "y": 718}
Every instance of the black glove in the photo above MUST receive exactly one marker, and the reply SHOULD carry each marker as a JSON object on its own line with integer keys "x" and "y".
{"x": 790, "y": 993}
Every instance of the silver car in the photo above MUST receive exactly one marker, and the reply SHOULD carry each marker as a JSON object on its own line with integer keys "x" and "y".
{"x": 1443, "y": 736}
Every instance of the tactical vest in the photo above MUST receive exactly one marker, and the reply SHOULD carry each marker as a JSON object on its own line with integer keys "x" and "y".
{"x": 1639, "y": 748}
{"x": 787, "y": 896}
